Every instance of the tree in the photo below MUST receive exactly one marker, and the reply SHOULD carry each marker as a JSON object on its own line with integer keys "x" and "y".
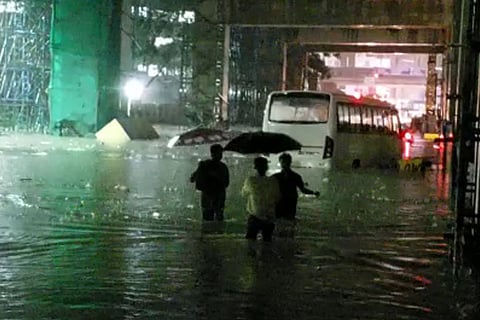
{"x": 158, "y": 36}
{"x": 317, "y": 64}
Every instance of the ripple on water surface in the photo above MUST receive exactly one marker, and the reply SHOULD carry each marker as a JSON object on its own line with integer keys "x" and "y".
{"x": 104, "y": 233}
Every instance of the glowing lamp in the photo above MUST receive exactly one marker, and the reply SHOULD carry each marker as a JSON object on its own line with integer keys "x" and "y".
{"x": 133, "y": 89}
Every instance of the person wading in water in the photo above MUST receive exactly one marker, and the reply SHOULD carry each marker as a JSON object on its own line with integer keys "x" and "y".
{"x": 212, "y": 179}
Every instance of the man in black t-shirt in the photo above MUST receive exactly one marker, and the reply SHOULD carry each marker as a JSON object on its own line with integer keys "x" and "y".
{"x": 212, "y": 179}
{"x": 289, "y": 181}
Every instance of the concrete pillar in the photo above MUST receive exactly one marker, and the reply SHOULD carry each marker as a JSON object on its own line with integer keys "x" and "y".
{"x": 126, "y": 59}
{"x": 313, "y": 82}
{"x": 312, "y": 75}
{"x": 444, "y": 86}
{"x": 284, "y": 65}
{"x": 224, "y": 112}
{"x": 85, "y": 47}
{"x": 431, "y": 87}
{"x": 295, "y": 66}
{"x": 204, "y": 58}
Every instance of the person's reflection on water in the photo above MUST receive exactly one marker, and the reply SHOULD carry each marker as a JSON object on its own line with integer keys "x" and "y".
{"x": 210, "y": 270}
{"x": 216, "y": 228}
{"x": 276, "y": 287}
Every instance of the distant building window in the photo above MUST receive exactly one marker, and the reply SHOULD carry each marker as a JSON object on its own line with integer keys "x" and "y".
{"x": 152, "y": 70}
{"x": 161, "y": 41}
{"x": 332, "y": 62}
{"x": 187, "y": 16}
{"x": 367, "y": 60}
{"x": 140, "y": 11}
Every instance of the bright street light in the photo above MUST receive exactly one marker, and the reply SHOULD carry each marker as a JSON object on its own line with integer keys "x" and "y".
{"x": 133, "y": 89}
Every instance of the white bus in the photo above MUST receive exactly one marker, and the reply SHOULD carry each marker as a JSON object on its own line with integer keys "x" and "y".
{"x": 335, "y": 129}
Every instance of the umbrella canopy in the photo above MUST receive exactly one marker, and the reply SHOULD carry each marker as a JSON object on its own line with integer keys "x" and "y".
{"x": 200, "y": 136}
{"x": 262, "y": 142}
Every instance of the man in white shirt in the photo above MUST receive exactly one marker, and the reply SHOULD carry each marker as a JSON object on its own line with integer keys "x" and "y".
{"x": 262, "y": 194}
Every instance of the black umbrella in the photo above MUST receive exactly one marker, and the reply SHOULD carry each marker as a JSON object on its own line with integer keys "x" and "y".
{"x": 201, "y": 136}
{"x": 262, "y": 142}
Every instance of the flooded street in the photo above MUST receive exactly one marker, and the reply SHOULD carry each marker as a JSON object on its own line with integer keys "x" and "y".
{"x": 91, "y": 232}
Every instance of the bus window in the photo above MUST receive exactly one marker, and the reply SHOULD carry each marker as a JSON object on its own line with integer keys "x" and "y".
{"x": 387, "y": 121}
{"x": 395, "y": 122}
{"x": 355, "y": 118}
{"x": 378, "y": 121}
{"x": 319, "y": 113}
{"x": 343, "y": 117}
{"x": 391, "y": 121}
{"x": 303, "y": 109}
{"x": 366, "y": 119}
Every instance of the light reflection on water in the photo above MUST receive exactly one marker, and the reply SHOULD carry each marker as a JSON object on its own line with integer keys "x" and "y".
{"x": 110, "y": 233}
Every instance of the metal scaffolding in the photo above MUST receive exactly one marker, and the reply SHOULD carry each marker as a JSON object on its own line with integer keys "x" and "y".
{"x": 186, "y": 66}
{"x": 255, "y": 70}
{"x": 219, "y": 66}
{"x": 25, "y": 64}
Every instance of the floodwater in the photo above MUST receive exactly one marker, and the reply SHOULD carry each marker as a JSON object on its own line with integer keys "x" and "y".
{"x": 92, "y": 232}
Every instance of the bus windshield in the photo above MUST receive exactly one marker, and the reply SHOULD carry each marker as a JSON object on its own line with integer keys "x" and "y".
{"x": 299, "y": 108}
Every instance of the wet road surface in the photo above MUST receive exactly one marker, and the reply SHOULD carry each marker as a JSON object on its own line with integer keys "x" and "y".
{"x": 88, "y": 231}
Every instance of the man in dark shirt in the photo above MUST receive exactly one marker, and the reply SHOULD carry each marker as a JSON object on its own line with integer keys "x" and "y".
{"x": 289, "y": 181}
{"x": 212, "y": 179}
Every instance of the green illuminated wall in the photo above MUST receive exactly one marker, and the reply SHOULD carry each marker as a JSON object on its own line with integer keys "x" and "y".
{"x": 85, "y": 48}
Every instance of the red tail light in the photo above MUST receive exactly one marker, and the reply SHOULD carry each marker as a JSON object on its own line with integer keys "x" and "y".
{"x": 406, "y": 150}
